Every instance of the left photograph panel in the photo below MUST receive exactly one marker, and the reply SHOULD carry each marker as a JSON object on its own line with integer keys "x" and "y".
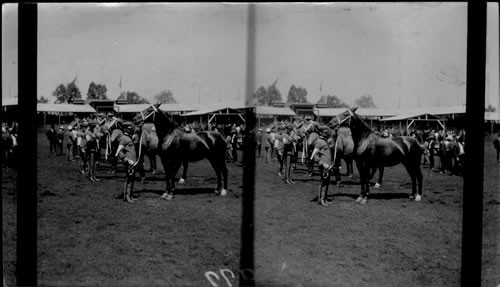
{"x": 136, "y": 108}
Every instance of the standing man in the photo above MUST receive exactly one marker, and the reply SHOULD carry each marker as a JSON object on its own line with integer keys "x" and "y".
{"x": 74, "y": 132}
{"x": 60, "y": 140}
{"x": 258, "y": 139}
{"x": 234, "y": 145}
{"x": 52, "y": 137}
{"x": 496, "y": 144}
{"x": 69, "y": 143}
{"x": 82, "y": 147}
{"x": 321, "y": 154}
{"x": 92, "y": 137}
{"x": 267, "y": 143}
{"x": 126, "y": 153}
{"x": 289, "y": 142}
{"x": 279, "y": 147}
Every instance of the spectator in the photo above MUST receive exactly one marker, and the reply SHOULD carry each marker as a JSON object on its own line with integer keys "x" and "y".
{"x": 496, "y": 144}
{"x": 258, "y": 140}
{"x": 60, "y": 140}
{"x": 52, "y": 137}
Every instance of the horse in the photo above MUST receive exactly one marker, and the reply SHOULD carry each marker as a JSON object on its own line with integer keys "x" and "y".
{"x": 177, "y": 147}
{"x": 308, "y": 135}
{"x": 372, "y": 151}
{"x": 342, "y": 147}
{"x": 345, "y": 151}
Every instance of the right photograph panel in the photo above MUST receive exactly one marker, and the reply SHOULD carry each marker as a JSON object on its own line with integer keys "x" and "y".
{"x": 361, "y": 112}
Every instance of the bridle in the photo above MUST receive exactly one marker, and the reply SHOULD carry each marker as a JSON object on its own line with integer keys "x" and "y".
{"x": 340, "y": 122}
{"x": 152, "y": 113}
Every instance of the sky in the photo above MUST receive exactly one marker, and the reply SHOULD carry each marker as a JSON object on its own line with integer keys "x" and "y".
{"x": 402, "y": 54}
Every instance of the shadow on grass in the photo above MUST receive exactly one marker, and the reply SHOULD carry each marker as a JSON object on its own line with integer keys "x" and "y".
{"x": 376, "y": 196}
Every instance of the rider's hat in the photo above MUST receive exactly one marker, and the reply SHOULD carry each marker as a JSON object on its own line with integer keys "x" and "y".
{"x": 323, "y": 130}
{"x": 307, "y": 118}
{"x": 268, "y": 130}
{"x": 289, "y": 127}
{"x": 70, "y": 128}
{"x": 110, "y": 114}
{"x": 280, "y": 128}
{"x": 84, "y": 124}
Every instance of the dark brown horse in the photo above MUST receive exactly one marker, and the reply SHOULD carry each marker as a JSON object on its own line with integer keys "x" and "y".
{"x": 177, "y": 147}
{"x": 372, "y": 151}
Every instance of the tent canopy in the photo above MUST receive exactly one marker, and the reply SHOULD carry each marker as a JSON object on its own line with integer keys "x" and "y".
{"x": 64, "y": 108}
{"x": 136, "y": 108}
{"x": 213, "y": 108}
{"x": 409, "y": 116}
{"x": 274, "y": 111}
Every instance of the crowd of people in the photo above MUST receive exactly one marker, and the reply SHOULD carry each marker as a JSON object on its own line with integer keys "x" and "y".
{"x": 443, "y": 152}
{"x": 83, "y": 140}
{"x": 9, "y": 143}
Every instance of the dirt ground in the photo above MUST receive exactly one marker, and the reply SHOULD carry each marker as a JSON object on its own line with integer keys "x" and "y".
{"x": 87, "y": 236}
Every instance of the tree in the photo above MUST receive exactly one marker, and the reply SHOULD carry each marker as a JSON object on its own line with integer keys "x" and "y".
{"x": 97, "y": 92}
{"x": 42, "y": 100}
{"x": 297, "y": 95}
{"x": 72, "y": 92}
{"x": 365, "y": 101}
{"x": 132, "y": 98}
{"x": 60, "y": 94}
{"x": 266, "y": 97}
{"x": 67, "y": 94}
{"x": 165, "y": 97}
{"x": 332, "y": 101}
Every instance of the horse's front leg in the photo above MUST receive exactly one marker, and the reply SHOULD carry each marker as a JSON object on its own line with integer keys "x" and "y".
{"x": 168, "y": 194}
{"x": 184, "y": 172}
{"x": 380, "y": 176}
{"x": 171, "y": 169}
{"x": 152, "y": 162}
{"x": 364, "y": 174}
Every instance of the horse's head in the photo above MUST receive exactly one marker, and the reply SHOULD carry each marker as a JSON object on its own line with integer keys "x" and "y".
{"x": 147, "y": 115}
{"x": 342, "y": 118}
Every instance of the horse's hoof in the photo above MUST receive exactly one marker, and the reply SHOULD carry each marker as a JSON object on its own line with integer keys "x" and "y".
{"x": 359, "y": 199}
{"x": 412, "y": 196}
{"x": 164, "y": 196}
{"x": 217, "y": 192}
{"x": 223, "y": 192}
{"x": 322, "y": 203}
{"x": 364, "y": 201}
{"x": 181, "y": 181}
{"x": 418, "y": 197}
{"x": 377, "y": 185}
{"x": 169, "y": 197}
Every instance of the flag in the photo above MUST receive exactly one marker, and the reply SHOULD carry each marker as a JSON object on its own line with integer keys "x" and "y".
{"x": 74, "y": 80}
{"x": 275, "y": 82}
{"x": 320, "y": 85}
{"x": 120, "y": 81}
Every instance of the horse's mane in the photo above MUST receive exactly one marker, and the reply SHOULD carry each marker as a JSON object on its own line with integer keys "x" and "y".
{"x": 364, "y": 125}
